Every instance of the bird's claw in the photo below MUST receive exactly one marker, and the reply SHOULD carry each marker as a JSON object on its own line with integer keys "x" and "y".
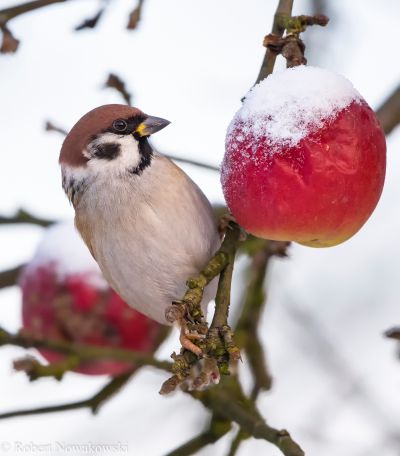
{"x": 224, "y": 224}
{"x": 186, "y": 337}
{"x": 205, "y": 373}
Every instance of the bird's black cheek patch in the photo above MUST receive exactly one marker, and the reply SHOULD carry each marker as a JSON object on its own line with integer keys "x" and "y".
{"x": 107, "y": 151}
{"x": 146, "y": 156}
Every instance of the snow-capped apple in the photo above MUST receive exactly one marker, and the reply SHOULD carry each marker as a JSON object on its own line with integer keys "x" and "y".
{"x": 65, "y": 297}
{"x": 305, "y": 159}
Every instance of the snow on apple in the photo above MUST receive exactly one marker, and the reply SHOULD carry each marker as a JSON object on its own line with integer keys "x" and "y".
{"x": 65, "y": 297}
{"x": 305, "y": 159}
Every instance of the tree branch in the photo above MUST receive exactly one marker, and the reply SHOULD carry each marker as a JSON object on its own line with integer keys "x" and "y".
{"x": 389, "y": 112}
{"x": 246, "y": 332}
{"x": 50, "y": 126}
{"x": 135, "y": 16}
{"x": 229, "y": 401}
{"x": 91, "y": 22}
{"x": 237, "y": 441}
{"x": 93, "y": 403}
{"x": 393, "y": 333}
{"x": 194, "y": 293}
{"x": 23, "y": 216}
{"x": 188, "y": 161}
{"x": 222, "y": 300}
{"x": 116, "y": 83}
{"x": 217, "y": 428}
{"x": 83, "y": 351}
{"x": 7, "y": 14}
{"x": 34, "y": 369}
{"x": 216, "y": 343}
{"x": 284, "y": 10}
{"x": 9, "y": 277}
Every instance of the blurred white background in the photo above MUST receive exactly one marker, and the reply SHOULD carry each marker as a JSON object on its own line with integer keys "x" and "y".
{"x": 336, "y": 378}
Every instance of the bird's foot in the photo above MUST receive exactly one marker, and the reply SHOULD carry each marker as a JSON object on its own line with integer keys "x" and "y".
{"x": 186, "y": 337}
{"x": 204, "y": 357}
{"x": 191, "y": 373}
{"x": 204, "y": 374}
{"x": 192, "y": 329}
{"x": 224, "y": 224}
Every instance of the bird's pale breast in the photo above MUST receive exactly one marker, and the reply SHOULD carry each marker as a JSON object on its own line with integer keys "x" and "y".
{"x": 149, "y": 234}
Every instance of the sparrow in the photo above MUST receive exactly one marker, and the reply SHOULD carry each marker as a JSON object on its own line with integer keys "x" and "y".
{"x": 145, "y": 222}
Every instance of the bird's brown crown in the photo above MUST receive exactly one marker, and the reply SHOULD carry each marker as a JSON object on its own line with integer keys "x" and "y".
{"x": 94, "y": 122}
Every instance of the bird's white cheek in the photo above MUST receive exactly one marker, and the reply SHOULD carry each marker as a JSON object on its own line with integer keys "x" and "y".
{"x": 128, "y": 156}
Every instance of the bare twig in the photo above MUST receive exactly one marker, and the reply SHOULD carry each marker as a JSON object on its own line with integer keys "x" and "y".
{"x": 83, "y": 351}
{"x": 115, "y": 82}
{"x": 50, "y": 126}
{"x": 9, "y": 43}
{"x": 325, "y": 350}
{"x": 194, "y": 293}
{"x": 217, "y": 343}
{"x": 247, "y": 327}
{"x": 284, "y": 10}
{"x": 188, "y": 161}
{"x": 34, "y": 369}
{"x": 7, "y": 14}
{"x": 389, "y": 112}
{"x": 222, "y": 300}
{"x": 393, "y": 333}
{"x": 9, "y": 277}
{"x": 229, "y": 401}
{"x": 135, "y": 16}
{"x": 93, "y": 403}
{"x": 298, "y": 24}
{"x": 91, "y": 22}
{"x": 291, "y": 46}
{"x": 217, "y": 428}
{"x": 23, "y": 216}
{"x": 237, "y": 441}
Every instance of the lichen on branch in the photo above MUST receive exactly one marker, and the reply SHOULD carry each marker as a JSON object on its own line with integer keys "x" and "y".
{"x": 215, "y": 344}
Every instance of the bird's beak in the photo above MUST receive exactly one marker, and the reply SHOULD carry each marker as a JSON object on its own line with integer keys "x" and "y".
{"x": 151, "y": 125}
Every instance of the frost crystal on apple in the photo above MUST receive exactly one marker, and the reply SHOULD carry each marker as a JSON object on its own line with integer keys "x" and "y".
{"x": 62, "y": 247}
{"x": 289, "y": 105}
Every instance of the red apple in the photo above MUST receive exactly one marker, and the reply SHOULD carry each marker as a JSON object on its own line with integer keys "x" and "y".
{"x": 305, "y": 159}
{"x": 65, "y": 297}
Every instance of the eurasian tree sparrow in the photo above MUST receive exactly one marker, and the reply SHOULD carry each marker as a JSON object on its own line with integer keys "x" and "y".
{"x": 146, "y": 223}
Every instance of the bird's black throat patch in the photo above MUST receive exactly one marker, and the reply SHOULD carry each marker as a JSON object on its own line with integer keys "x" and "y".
{"x": 146, "y": 155}
{"x": 107, "y": 151}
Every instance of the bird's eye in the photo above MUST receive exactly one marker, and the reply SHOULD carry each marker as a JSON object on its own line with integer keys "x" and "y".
{"x": 120, "y": 125}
